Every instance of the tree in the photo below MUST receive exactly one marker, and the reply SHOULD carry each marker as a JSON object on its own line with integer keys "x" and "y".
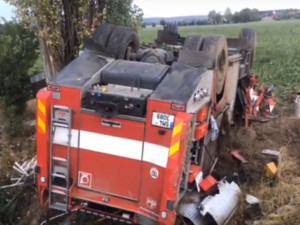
{"x": 63, "y": 25}
{"x": 123, "y": 12}
{"x": 236, "y": 17}
{"x": 18, "y": 52}
{"x": 228, "y": 15}
{"x": 246, "y": 15}
{"x": 162, "y": 22}
{"x": 255, "y": 15}
{"x": 211, "y": 16}
{"x": 218, "y": 18}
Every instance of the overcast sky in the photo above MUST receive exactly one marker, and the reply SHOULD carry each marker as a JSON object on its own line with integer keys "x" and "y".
{"x": 169, "y": 8}
{"x": 6, "y": 10}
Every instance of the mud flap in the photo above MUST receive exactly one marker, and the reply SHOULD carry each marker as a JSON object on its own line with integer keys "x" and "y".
{"x": 214, "y": 209}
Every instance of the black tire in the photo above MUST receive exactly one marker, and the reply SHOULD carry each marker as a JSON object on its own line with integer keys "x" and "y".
{"x": 193, "y": 42}
{"x": 102, "y": 34}
{"x": 216, "y": 47}
{"x": 122, "y": 42}
{"x": 251, "y": 35}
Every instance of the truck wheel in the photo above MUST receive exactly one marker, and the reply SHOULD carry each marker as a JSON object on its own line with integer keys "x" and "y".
{"x": 103, "y": 33}
{"x": 151, "y": 57}
{"x": 193, "y": 42}
{"x": 251, "y": 35}
{"x": 216, "y": 47}
{"x": 123, "y": 42}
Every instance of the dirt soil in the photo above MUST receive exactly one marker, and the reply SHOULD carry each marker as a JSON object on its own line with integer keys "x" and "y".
{"x": 278, "y": 197}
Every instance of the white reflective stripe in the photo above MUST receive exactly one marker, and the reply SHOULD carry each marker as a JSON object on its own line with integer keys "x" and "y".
{"x": 101, "y": 143}
{"x": 117, "y": 146}
{"x": 112, "y": 145}
{"x": 156, "y": 154}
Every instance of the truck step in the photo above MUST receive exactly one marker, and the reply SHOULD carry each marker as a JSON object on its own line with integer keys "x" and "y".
{"x": 60, "y": 124}
{"x": 59, "y": 206}
{"x": 59, "y": 175}
{"x": 58, "y": 190}
{"x": 59, "y": 121}
{"x": 59, "y": 159}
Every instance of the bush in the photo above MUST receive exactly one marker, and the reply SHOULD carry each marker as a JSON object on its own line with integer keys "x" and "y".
{"x": 18, "y": 52}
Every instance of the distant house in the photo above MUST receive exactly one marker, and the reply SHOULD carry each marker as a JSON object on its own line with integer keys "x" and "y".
{"x": 281, "y": 13}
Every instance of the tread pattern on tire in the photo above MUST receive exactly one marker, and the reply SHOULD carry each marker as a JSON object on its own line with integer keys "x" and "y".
{"x": 103, "y": 33}
{"x": 193, "y": 42}
{"x": 216, "y": 46}
{"x": 121, "y": 39}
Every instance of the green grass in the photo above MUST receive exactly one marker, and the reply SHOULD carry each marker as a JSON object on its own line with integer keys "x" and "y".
{"x": 278, "y": 51}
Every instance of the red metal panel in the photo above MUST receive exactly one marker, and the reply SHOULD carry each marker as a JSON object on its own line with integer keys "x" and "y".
{"x": 43, "y": 135}
{"x": 70, "y": 97}
{"x": 129, "y": 129}
{"x": 152, "y": 132}
{"x": 174, "y": 170}
{"x": 119, "y": 176}
{"x": 151, "y": 189}
{"x": 111, "y": 174}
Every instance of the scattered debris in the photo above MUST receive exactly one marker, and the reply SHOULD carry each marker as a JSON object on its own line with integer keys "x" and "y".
{"x": 271, "y": 152}
{"x": 196, "y": 176}
{"x": 26, "y": 171}
{"x": 199, "y": 179}
{"x": 260, "y": 103}
{"x": 297, "y": 105}
{"x": 237, "y": 154}
{"x": 251, "y": 200}
{"x": 223, "y": 205}
{"x": 194, "y": 171}
{"x": 31, "y": 123}
{"x": 209, "y": 185}
{"x": 271, "y": 170}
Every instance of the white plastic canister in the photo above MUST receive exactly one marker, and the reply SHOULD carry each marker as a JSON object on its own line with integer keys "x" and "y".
{"x": 297, "y": 105}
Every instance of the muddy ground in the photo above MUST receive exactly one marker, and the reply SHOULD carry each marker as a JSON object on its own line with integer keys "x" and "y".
{"x": 278, "y": 197}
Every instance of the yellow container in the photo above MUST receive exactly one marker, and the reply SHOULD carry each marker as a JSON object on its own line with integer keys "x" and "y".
{"x": 271, "y": 170}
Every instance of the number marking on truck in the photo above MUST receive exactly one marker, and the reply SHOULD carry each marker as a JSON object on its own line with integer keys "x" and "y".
{"x": 163, "y": 120}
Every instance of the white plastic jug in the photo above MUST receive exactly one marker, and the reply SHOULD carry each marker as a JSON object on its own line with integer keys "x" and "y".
{"x": 297, "y": 105}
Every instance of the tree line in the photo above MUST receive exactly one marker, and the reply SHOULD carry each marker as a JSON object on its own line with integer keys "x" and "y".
{"x": 244, "y": 16}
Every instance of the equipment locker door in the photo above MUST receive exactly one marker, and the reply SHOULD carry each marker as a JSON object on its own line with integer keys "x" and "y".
{"x": 110, "y": 154}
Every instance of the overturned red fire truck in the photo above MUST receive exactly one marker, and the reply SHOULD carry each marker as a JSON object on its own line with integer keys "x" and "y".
{"x": 131, "y": 129}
